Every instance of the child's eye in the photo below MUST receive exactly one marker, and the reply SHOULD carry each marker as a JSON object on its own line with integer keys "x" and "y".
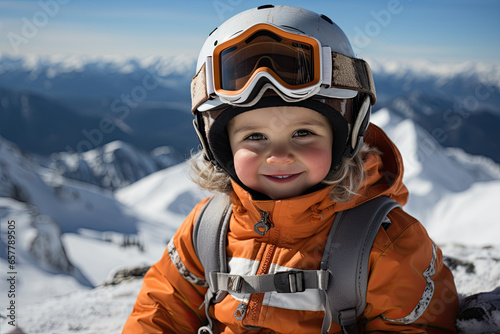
{"x": 302, "y": 133}
{"x": 256, "y": 136}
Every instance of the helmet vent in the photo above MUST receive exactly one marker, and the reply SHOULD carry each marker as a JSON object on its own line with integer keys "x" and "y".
{"x": 326, "y": 18}
{"x": 265, "y": 6}
{"x": 292, "y": 28}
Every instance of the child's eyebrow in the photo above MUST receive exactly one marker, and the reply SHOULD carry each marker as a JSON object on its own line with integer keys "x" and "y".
{"x": 314, "y": 122}
{"x": 308, "y": 122}
{"x": 298, "y": 124}
{"x": 244, "y": 128}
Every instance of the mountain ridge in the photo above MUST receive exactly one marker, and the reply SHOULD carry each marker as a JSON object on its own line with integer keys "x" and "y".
{"x": 145, "y": 102}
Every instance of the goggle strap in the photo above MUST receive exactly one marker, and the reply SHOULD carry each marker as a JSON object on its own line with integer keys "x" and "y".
{"x": 352, "y": 73}
{"x": 199, "y": 91}
{"x": 327, "y": 66}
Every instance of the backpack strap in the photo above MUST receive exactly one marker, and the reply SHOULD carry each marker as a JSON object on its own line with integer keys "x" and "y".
{"x": 209, "y": 241}
{"x": 346, "y": 257}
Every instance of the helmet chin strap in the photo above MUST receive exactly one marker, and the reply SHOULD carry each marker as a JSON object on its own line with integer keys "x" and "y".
{"x": 359, "y": 128}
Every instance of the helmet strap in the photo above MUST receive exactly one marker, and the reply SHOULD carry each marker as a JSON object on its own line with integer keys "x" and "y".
{"x": 359, "y": 128}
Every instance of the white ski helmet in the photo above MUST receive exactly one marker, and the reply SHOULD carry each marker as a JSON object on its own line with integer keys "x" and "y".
{"x": 275, "y": 56}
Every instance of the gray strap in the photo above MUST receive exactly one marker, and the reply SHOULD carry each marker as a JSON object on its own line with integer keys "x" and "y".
{"x": 209, "y": 236}
{"x": 282, "y": 282}
{"x": 346, "y": 256}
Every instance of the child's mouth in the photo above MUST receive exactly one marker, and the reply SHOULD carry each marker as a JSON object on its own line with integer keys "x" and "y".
{"x": 282, "y": 178}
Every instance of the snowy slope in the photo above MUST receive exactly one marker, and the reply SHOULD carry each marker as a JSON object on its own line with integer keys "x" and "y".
{"x": 47, "y": 208}
{"x": 160, "y": 202}
{"x": 169, "y": 193}
{"x": 453, "y": 194}
{"x": 73, "y": 236}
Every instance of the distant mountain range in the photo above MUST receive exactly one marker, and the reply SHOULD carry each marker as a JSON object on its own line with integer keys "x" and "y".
{"x": 450, "y": 123}
{"x": 75, "y": 104}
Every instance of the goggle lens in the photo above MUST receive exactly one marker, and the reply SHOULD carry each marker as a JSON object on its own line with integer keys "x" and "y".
{"x": 291, "y": 62}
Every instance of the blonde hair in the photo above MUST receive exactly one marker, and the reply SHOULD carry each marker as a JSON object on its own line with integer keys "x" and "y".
{"x": 347, "y": 180}
{"x": 207, "y": 176}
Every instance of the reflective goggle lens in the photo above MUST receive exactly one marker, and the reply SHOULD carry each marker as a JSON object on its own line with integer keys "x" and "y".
{"x": 294, "y": 63}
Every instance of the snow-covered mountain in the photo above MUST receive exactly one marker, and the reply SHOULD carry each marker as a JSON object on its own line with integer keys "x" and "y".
{"x": 90, "y": 78}
{"x": 112, "y": 166}
{"x": 451, "y": 192}
{"x": 471, "y": 84}
{"x": 77, "y": 232}
{"x": 48, "y": 74}
{"x": 53, "y": 104}
{"x": 43, "y": 125}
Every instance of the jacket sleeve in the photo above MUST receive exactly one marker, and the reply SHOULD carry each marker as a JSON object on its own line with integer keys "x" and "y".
{"x": 410, "y": 289}
{"x": 173, "y": 289}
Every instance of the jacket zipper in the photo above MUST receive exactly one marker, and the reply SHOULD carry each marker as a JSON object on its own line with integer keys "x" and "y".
{"x": 256, "y": 299}
{"x": 264, "y": 224}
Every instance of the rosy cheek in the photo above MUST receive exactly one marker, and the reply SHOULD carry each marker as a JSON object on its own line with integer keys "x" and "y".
{"x": 319, "y": 160}
{"x": 246, "y": 166}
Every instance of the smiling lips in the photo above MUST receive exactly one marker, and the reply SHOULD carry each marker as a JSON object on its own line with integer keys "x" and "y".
{"x": 282, "y": 178}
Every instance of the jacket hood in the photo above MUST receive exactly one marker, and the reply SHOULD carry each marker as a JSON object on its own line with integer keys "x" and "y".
{"x": 385, "y": 178}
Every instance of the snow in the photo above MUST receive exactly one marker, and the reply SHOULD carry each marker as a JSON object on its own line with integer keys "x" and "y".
{"x": 490, "y": 73}
{"x": 115, "y": 257}
{"x": 101, "y": 310}
{"x": 474, "y": 213}
{"x": 57, "y": 64}
{"x": 112, "y": 166}
{"x": 163, "y": 193}
{"x": 482, "y": 272}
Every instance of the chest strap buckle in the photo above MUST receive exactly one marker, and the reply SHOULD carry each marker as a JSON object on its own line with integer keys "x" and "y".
{"x": 289, "y": 281}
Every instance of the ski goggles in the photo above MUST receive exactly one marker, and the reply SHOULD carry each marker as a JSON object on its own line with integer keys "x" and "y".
{"x": 294, "y": 66}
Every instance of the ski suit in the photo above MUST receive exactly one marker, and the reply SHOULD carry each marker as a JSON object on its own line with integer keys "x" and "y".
{"x": 410, "y": 290}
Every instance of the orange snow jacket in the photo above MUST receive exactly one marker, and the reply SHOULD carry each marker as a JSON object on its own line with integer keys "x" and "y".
{"x": 410, "y": 290}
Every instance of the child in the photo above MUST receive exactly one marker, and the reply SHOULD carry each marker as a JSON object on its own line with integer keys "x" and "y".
{"x": 282, "y": 111}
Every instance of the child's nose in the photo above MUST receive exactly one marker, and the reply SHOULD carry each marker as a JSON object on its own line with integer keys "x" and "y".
{"x": 280, "y": 154}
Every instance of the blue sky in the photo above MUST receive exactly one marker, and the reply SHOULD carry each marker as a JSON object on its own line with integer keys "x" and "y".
{"x": 439, "y": 30}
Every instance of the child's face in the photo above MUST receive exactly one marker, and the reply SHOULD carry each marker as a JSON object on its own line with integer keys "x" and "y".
{"x": 281, "y": 151}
